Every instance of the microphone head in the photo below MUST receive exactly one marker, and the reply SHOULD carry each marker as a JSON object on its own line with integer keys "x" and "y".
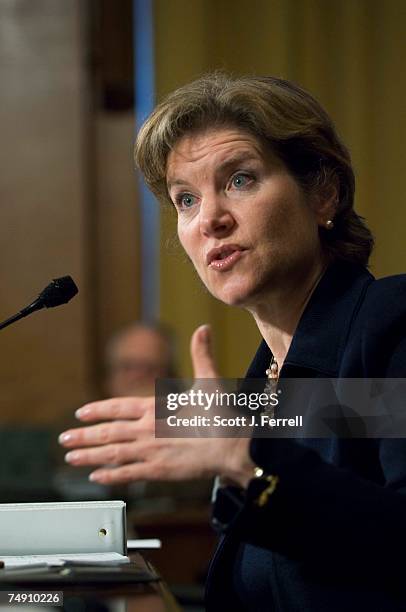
{"x": 59, "y": 291}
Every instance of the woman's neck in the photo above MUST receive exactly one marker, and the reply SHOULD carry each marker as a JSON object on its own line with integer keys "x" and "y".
{"x": 278, "y": 316}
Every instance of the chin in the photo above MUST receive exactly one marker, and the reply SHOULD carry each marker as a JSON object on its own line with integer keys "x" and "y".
{"x": 234, "y": 296}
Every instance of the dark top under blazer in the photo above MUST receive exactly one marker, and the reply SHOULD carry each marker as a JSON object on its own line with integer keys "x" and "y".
{"x": 332, "y": 537}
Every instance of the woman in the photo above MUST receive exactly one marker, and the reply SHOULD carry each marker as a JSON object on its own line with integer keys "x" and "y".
{"x": 263, "y": 190}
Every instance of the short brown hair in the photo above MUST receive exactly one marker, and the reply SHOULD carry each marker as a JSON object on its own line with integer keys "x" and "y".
{"x": 284, "y": 117}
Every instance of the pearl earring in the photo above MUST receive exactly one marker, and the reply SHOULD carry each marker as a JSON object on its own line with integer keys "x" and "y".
{"x": 329, "y": 224}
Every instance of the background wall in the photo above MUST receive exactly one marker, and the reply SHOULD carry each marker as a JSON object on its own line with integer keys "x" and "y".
{"x": 68, "y": 198}
{"x": 43, "y": 187}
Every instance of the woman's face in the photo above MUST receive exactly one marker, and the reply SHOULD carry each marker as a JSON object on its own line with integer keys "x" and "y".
{"x": 243, "y": 220}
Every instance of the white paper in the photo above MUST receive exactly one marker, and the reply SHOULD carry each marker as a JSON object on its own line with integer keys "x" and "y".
{"x": 34, "y": 561}
{"x": 149, "y": 543}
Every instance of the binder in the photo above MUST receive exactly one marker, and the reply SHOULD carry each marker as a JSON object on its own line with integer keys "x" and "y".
{"x": 63, "y": 528}
{"x": 76, "y": 529}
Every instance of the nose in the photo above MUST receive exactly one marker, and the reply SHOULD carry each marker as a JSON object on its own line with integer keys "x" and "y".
{"x": 216, "y": 218}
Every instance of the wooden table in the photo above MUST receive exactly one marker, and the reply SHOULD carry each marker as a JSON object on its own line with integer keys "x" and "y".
{"x": 96, "y": 591}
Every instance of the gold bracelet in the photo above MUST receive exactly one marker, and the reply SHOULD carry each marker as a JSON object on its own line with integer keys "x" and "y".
{"x": 272, "y": 482}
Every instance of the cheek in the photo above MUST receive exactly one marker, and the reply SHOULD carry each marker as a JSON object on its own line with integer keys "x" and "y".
{"x": 188, "y": 243}
{"x": 182, "y": 237}
{"x": 295, "y": 216}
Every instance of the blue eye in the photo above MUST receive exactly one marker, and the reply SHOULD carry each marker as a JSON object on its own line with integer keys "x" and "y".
{"x": 186, "y": 200}
{"x": 241, "y": 180}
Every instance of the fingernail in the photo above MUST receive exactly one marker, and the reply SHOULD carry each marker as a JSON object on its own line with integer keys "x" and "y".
{"x": 65, "y": 437}
{"x": 82, "y": 412}
{"x": 205, "y": 331}
{"x": 94, "y": 477}
{"x": 71, "y": 457}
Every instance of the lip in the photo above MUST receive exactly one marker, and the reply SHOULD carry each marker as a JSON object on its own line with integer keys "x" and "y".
{"x": 224, "y": 257}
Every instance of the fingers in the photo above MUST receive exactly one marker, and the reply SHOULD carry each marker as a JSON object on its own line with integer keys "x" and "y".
{"x": 115, "y": 454}
{"x": 118, "y": 410}
{"x": 119, "y": 475}
{"x": 164, "y": 459}
{"x": 201, "y": 352}
{"x": 106, "y": 433}
{"x": 140, "y": 460}
{"x": 115, "y": 408}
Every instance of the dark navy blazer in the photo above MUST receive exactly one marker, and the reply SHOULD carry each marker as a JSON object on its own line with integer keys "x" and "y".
{"x": 332, "y": 537}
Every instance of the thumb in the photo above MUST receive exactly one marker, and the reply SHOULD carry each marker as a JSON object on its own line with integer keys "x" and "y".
{"x": 201, "y": 352}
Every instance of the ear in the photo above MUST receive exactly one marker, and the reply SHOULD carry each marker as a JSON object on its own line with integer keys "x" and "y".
{"x": 324, "y": 205}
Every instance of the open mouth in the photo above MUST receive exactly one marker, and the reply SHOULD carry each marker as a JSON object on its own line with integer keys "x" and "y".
{"x": 225, "y": 257}
{"x": 225, "y": 254}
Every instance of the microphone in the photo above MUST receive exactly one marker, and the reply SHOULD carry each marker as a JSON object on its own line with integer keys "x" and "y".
{"x": 60, "y": 291}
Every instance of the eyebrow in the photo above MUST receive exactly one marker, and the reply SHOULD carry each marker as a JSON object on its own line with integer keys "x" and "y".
{"x": 230, "y": 162}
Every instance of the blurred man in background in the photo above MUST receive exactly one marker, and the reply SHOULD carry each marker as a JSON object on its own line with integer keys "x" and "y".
{"x": 136, "y": 356}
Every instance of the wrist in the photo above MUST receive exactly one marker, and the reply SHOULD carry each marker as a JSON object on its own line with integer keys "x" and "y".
{"x": 240, "y": 469}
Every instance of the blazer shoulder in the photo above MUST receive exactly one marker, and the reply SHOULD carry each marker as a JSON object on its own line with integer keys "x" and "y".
{"x": 395, "y": 282}
{"x": 382, "y": 323}
{"x": 386, "y": 295}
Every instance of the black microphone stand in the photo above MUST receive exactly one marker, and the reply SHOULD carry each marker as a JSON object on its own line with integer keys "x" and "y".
{"x": 36, "y": 305}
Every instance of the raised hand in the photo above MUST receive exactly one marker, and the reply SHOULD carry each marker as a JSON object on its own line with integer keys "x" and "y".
{"x": 125, "y": 444}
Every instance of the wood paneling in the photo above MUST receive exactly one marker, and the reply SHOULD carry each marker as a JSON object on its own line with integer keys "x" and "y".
{"x": 68, "y": 206}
